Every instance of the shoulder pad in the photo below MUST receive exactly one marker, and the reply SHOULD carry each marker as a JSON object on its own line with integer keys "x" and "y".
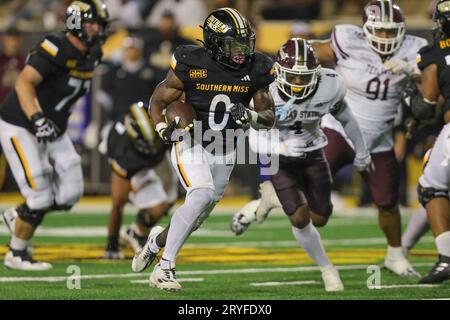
{"x": 427, "y": 55}
{"x": 263, "y": 69}
{"x": 188, "y": 55}
{"x": 52, "y": 48}
{"x": 344, "y": 37}
{"x": 331, "y": 86}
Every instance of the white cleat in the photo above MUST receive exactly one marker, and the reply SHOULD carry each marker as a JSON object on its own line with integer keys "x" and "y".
{"x": 145, "y": 257}
{"x": 9, "y": 217}
{"x": 269, "y": 201}
{"x": 331, "y": 279}
{"x": 129, "y": 237}
{"x": 246, "y": 215}
{"x": 164, "y": 279}
{"x": 400, "y": 266}
{"x": 21, "y": 260}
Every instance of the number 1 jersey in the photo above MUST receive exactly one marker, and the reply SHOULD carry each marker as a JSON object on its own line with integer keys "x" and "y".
{"x": 66, "y": 74}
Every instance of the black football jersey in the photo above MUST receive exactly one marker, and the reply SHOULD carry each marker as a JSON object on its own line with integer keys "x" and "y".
{"x": 66, "y": 74}
{"x": 210, "y": 88}
{"x": 124, "y": 158}
{"x": 438, "y": 53}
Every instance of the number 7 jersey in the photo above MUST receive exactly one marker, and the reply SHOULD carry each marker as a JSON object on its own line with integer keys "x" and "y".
{"x": 66, "y": 74}
{"x": 373, "y": 92}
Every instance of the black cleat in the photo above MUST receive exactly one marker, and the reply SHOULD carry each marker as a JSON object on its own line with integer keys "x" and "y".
{"x": 439, "y": 273}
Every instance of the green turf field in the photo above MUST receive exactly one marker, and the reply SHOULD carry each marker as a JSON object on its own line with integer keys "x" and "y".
{"x": 264, "y": 263}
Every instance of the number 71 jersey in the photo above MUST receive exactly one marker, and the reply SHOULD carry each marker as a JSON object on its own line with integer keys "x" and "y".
{"x": 66, "y": 74}
{"x": 373, "y": 92}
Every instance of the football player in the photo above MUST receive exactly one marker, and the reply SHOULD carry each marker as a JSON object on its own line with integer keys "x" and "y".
{"x": 219, "y": 80}
{"x": 134, "y": 151}
{"x": 376, "y": 62}
{"x": 303, "y": 93}
{"x": 33, "y": 125}
{"x": 434, "y": 184}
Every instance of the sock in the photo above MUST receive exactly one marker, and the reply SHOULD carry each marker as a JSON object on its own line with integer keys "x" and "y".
{"x": 309, "y": 239}
{"x": 18, "y": 244}
{"x": 443, "y": 243}
{"x": 185, "y": 219}
{"x": 417, "y": 226}
{"x": 395, "y": 252}
{"x": 113, "y": 243}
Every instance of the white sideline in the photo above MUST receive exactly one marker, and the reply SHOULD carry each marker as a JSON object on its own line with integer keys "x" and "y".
{"x": 191, "y": 272}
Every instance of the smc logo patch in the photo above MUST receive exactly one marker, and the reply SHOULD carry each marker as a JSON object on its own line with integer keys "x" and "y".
{"x": 198, "y": 73}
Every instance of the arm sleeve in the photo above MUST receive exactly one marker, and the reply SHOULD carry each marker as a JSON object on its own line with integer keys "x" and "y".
{"x": 338, "y": 42}
{"x": 425, "y": 57}
{"x": 44, "y": 66}
{"x": 351, "y": 128}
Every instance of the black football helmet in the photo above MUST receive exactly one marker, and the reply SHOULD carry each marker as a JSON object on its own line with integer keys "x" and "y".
{"x": 229, "y": 38}
{"x": 139, "y": 129}
{"x": 82, "y": 11}
{"x": 441, "y": 17}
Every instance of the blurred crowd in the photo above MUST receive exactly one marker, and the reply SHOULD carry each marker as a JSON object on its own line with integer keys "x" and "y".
{"x": 152, "y": 33}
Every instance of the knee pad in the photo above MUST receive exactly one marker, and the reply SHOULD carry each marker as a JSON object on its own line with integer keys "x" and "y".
{"x": 323, "y": 209}
{"x": 70, "y": 183}
{"x": 428, "y": 194}
{"x": 33, "y": 217}
{"x": 204, "y": 198}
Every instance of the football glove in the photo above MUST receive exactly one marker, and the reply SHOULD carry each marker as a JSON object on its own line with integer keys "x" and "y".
{"x": 166, "y": 132}
{"x": 364, "y": 163}
{"x": 401, "y": 67}
{"x": 291, "y": 148}
{"x": 239, "y": 114}
{"x": 45, "y": 129}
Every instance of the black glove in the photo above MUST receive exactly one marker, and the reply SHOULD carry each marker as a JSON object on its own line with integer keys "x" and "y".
{"x": 45, "y": 129}
{"x": 239, "y": 114}
{"x": 167, "y": 132}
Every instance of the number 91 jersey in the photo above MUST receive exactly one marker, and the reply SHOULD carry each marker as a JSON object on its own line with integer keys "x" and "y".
{"x": 373, "y": 92}
{"x": 210, "y": 89}
{"x": 66, "y": 74}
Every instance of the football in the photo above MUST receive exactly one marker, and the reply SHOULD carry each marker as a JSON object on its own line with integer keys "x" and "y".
{"x": 182, "y": 110}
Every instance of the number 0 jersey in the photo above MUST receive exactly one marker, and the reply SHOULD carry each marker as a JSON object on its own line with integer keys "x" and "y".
{"x": 303, "y": 118}
{"x": 373, "y": 92}
{"x": 210, "y": 88}
{"x": 66, "y": 74}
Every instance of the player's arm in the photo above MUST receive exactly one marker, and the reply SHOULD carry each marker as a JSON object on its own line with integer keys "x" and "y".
{"x": 345, "y": 116}
{"x": 424, "y": 101}
{"x": 169, "y": 90}
{"x": 324, "y": 52}
{"x": 25, "y": 87}
{"x": 44, "y": 129}
{"x": 263, "y": 113}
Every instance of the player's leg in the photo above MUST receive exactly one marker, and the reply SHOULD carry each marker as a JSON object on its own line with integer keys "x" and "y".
{"x": 151, "y": 208}
{"x": 194, "y": 172}
{"x": 384, "y": 184}
{"x": 120, "y": 188}
{"x": 433, "y": 191}
{"x": 418, "y": 225}
{"x": 31, "y": 170}
{"x": 338, "y": 152}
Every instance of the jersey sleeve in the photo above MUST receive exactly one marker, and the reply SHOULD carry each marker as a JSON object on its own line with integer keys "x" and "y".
{"x": 46, "y": 56}
{"x": 265, "y": 69}
{"x": 340, "y": 40}
{"x": 426, "y": 56}
{"x": 178, "y": 63}
{"x": 338, "y": 102}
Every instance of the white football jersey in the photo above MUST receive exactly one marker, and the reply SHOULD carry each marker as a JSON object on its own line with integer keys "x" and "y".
{"x": 373, "y": 92}
{"x": 303, "y": 119}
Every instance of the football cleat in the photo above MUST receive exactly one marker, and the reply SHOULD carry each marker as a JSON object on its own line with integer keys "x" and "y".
{"x": 439, "y": 273}
{"x": 22, "y": 260}
{"x": 164, "y": 279}
{"x": 269, "y": 201}
{"x": 331, "y": 279}
{"x": 145, "y": 257}
{"x": 9, "y": 217}
{"x": 242, "y": 219}
{"x": 131, "y": 238}
{"x": 400, "y": 266}
{"x": 113, "y": 255}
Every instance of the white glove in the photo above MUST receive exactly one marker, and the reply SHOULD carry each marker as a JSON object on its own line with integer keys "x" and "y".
{"x": 291, "y": 148}
{"x": 400, "y": 66}
{"x": 364, "y": 163}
